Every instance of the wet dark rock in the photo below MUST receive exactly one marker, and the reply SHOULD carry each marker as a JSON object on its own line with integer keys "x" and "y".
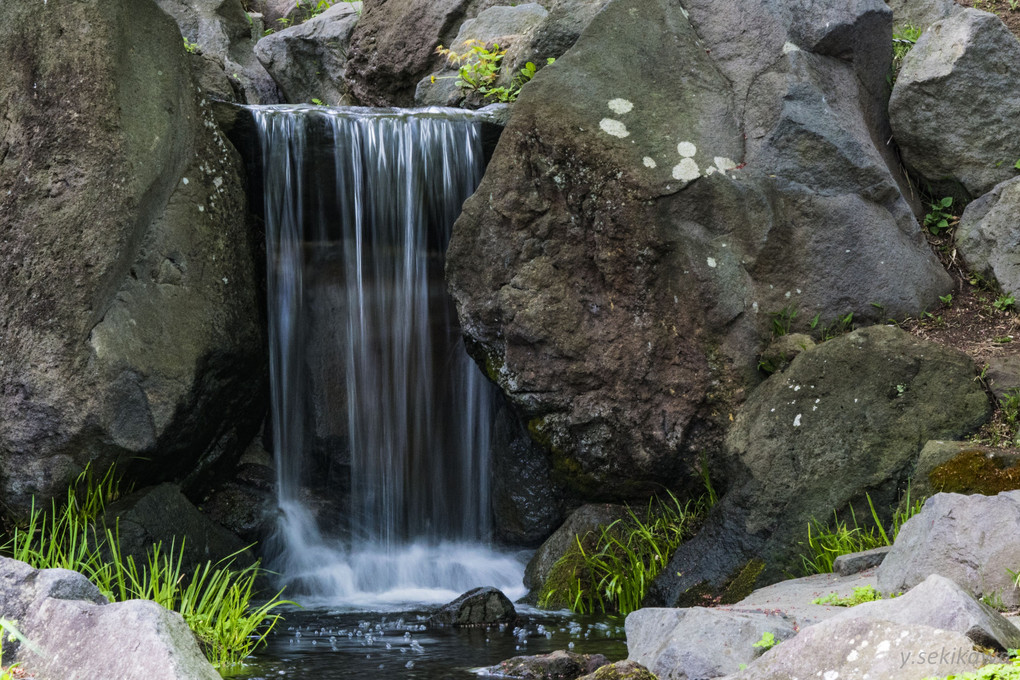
{"x": 621, "y": 670}
{"x": 968, "y": 539}
{"x": 854, "y": 409}
{"x": 163, "y": 515}
{"x": 485, "y": 606}
{"x": 131, "y": 326}
{"x": 76, "y": 633}
{"x": 558, "y": 665}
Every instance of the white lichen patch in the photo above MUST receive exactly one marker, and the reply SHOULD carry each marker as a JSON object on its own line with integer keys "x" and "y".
{"x": 711, "y": 262}
{"x": 686, "y": 149}
{"x": 710, "y": 171}
{"x": 184, "y": 180}
{"x": 831, "y": 675}
{"x": 614, "y": 128}
{"x": 649, "y": 162}
{"x": 790, "y": 47}
{"x": 724, "y": 163}
{"x": 796, "y": 421}
{"x": 686, "y": 170}
{"x": 621, "y": 106}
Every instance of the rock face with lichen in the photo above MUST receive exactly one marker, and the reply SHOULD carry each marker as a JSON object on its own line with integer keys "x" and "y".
{"x": 130, "y": 325}
{"x": 677, "y": 177}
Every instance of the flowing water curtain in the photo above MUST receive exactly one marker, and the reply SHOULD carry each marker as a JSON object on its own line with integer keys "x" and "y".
{"x": 371, "y": 225}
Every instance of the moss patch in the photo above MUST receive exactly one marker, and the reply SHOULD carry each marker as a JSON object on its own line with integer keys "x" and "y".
{"x": 974, "y": 471}
{"x": 742, "y": 583}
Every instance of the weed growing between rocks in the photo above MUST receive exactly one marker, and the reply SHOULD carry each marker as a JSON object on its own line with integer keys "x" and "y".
{"x": 612, "y": 570}
{"x": 995, "y": 671}
{"x": 215, "y": 601}
{"x": 827, "y": 542}
{"x": 8, "y": 630}
{"x": 860, "y": 595}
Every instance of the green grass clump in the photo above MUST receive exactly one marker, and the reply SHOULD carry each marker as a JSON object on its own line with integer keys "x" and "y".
{"x": 826, "y": 543}
{"x": 610, "y": 570}
{"x": 993, "y": 671}
{"x": 215, "y": 601}
{"x": 861, "y": 594}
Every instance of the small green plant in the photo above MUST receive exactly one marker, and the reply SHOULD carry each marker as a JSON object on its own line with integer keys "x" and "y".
{"x": 190, "y": 47}
{"x": 940, "y": 216}
{"x": 841, "y": 325}
{"x": 860, "y": 595}
{"x": 1004, "y": 303}
{"x": 9, "y": 631}
{"x": 947, "y": 299}
{"x": 710, "y": 497}
{"x": 612, "y": 569}
{"x": 826, "y": 543}
{"x": 782, "y": 320}
{"x": 317, "y": 102}
{"x": 480, "y": 67}
{"x": 215, "y": 601}
{"x": 994, "y": 599}
{"x": 768, "y": 641}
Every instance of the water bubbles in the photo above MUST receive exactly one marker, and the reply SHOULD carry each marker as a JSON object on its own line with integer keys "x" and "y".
{"x": 570, "y": 645}
{"x": 409, "y": 664}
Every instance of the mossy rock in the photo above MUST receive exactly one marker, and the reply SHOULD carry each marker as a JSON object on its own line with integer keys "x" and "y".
{"x": 962, "y": 467}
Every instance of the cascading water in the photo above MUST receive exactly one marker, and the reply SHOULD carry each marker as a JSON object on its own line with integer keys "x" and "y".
{"x": 372, "y": 393}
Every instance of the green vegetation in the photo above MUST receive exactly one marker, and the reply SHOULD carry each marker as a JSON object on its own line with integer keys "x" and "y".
{"x": 611, "y": 569}
{"x": 190, "y": 47}
{"x": 480, "y": 67}
{"x": 826, "y": 543}
{"x": 994, "y": 671}
{"x": 782, "y": 320}
{"x": 903, "y": 41}
{"x": 940, "y": 216}
{"x": 861, "y": 594}
{"x": 215, "y": 600}
{"x": 1004, "y": 303}
{"x": 767, "y": 641}
{"x": 9, "y": 630}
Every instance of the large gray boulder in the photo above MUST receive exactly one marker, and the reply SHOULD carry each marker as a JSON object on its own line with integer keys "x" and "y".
{"x": 130, "y": 325}
{"x": 308, "y": 60}
{"x": 865, "y": 648}
{"x": 687, "y": 644}
{"x": 940, "y": 603}
{"x": 969, "y": 539}
{"x": 956, "y": 102}
{"x": 77, "y": 635}
{"x": 988, "y": 237}
{"x": 921, "y": 13}
{"x": 617, "y": 267}
{"x": 225, "y": 35}
{"x": 856, "y": 409}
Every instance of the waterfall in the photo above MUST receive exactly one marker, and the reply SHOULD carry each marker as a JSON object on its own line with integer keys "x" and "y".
{"x": 374, "y": 399}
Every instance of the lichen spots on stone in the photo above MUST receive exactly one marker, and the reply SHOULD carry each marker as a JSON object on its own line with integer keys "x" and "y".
{"x": 790, "y": 47}
{"x": 686, "y": 149}
{"x": 620, "y": 106}
{"x": 649, "y": 162}
{"x": 724, "y": 164}
{"x": 711, "y": 262}
{"x": 614, "y": 128}
{"x": 686, "y": 170}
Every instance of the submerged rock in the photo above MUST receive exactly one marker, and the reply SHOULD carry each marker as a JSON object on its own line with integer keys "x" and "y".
{"x": 485, "y": 606}
{"x": 558, "y": 665}
{"x": 677, "y": 644}
{"x": 854, "y": 409}
{"x": 969, "y": 539}
{"x": 131, "y": 319}
{"x": 954, "y": 106}
{"x": 75, "y": 633}
{"x": 649, "y": 208}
